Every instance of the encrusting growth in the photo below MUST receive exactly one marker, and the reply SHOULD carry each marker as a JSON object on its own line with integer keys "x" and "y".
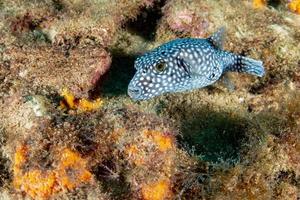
{"x": 259, "y": 3}
{"x": 79, "y": 104}
{"x": 158, "y": 190}
{"x": 294, "y": 6}
{"x": 69, "y": 173}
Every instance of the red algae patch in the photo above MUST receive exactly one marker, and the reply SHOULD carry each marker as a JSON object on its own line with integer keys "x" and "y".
{"x": 70, "y": 173}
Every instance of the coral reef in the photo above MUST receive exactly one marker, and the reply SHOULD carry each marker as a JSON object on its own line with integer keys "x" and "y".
{"x": 69, "y": 131}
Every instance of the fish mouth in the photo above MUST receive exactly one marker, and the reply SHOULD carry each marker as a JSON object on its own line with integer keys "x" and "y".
{"x": 134, "y": 93}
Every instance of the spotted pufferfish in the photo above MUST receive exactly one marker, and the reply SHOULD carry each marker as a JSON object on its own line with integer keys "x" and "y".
{"x": 186, "y": 64}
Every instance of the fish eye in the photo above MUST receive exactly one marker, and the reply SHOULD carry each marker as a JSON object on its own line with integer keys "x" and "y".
{"x": 160, "y": 67}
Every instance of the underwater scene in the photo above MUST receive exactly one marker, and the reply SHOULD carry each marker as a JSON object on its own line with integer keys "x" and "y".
{"x": 150, "y": 99}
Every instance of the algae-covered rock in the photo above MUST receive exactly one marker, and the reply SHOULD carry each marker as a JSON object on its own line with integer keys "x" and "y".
{"x": 65, "y": 22}
{"x": 77, "y": 69}
{"x": 69, "y": 131}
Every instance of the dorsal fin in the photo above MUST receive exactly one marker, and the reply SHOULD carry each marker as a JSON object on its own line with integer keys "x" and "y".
{"x": 217, "y": 39}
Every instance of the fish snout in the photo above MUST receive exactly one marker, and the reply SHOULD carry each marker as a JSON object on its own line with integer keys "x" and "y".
{"x": 134, "y": 92}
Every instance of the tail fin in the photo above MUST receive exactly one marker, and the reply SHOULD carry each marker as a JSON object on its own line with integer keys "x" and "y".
{"x": 247, "y": 65}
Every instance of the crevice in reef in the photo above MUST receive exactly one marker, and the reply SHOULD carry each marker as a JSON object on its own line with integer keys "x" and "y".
{"x": 4, "y": 169}
{"x": 5, "y": 174}
{"x": 116, "y": 80}
{"x": 274, "y": 3}
{"x": 288, "y": 177}
{"x": 146, "y": 22}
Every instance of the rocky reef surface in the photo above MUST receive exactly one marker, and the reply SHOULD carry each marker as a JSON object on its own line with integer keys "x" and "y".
{"x": 68, "y": 130}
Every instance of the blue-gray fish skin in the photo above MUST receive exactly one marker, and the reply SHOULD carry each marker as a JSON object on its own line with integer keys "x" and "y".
{"x": 186, "y": 64}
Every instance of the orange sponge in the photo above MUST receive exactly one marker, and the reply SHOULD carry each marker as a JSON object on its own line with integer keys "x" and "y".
{"x": 259, "y": 3}
{"x": 70, "y": 173}
{"x": 294, "y": 6}
{"x": 81, "y": 104}
{"x": 71, "y": 170}
{"x": 156, "y": 191}
{"x": 163, "y": 141}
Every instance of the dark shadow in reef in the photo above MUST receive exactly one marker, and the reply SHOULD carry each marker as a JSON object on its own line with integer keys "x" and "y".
{"x": 274, "y": 3}
{"x": 216, "y": 137}
{"x": 221, "y": 136}
{"x": 145, "y": 23}
{"x": 116, "y": 80}
{"x": 213, "y": 136}
{"x": 4, "y": 172}
{"x": 114, "y": 184}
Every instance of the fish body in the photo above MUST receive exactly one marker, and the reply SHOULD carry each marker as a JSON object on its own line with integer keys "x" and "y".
{"x": 186, "y": 64}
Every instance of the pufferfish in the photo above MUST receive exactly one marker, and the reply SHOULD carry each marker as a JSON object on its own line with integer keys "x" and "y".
{"x": 186, "y": 64}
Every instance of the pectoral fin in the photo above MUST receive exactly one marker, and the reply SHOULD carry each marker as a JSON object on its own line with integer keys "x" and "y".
{"x": 228, "y": 83}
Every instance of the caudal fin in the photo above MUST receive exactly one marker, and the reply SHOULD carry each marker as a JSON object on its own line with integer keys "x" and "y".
{"x": 247, "y": 65}
{"x": 254, "y": 67}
